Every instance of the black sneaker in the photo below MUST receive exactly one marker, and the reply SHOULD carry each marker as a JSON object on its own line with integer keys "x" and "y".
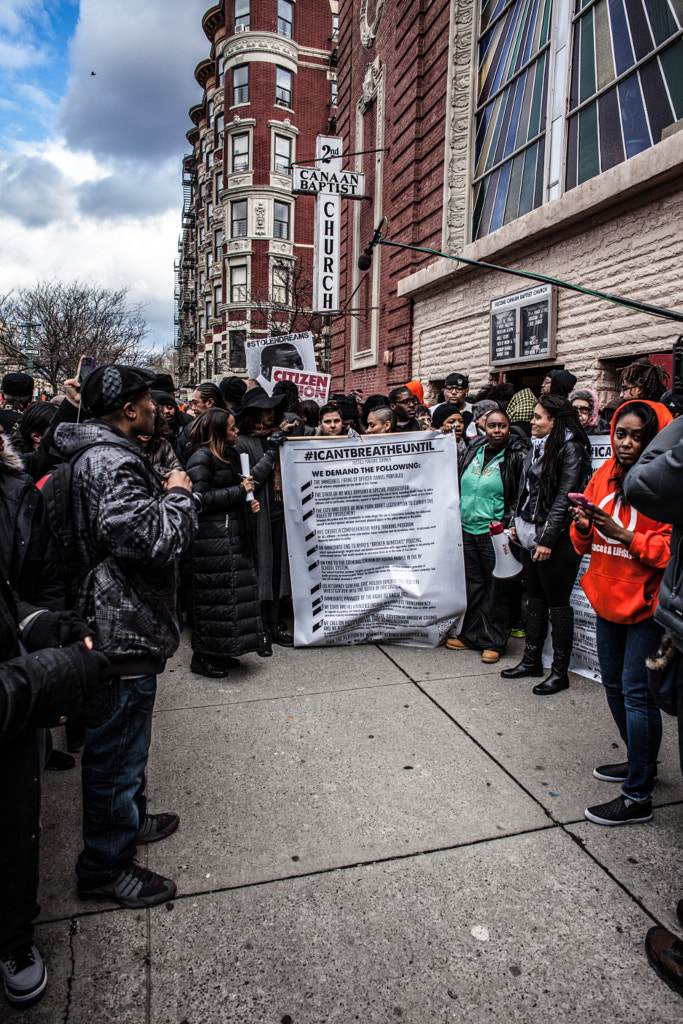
{"x": 264, "y": 649}
{"x": 620, "y": 811}
{"x": 280, "y": 636}
{"x": 135, "y": 887}
{"x": 613, "y": 772}
{"x": 201, "y": 667}
{"x": 24, "y": 975}
{"x": 157, "y": 826}
{"x": 58, "y": 761}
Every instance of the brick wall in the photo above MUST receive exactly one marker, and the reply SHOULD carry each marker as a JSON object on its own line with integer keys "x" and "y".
{"x": 412, "y": 48}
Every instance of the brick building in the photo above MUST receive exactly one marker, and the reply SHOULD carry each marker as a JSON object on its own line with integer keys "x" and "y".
{"x": 539, "y": 136}
{"x": 268, "y": 90}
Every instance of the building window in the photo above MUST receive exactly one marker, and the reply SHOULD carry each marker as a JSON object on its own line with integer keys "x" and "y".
{"x": 236, "y": 342}
{"x": 217, "y": 357}
{"x": 238, "y": 216}
{"x": 209, "y": 261}
{"x": 219, "y": 128}
{"x": 333, "y": 92}
{"x": 209, "y": 372}
{"x": 209, "y": 210}
{"x": 200, "y": 362}
{"x": 280, "y": 285}
{"x": 218, "y": 184}
{"x": 626, "y": 84}
{"x": 202, "y": 236}
{"x": 240, "y": 84}
{"x": 513, "y": 59}
{"x": 335, "y": 27}
{"x": 238, "y": 283}
{"x": 221, "y": 71}
{"x": 283, "y": 87}
{"x": 602, "y": 89}
{"x": 200, "y": 319}
{"x": 240, "y": 152}
{"x": 210, "y": 110}
{"x": 285, "y": 17}
{"x": 241, "y": 15}
{"x": 218, "y": 244}
{"x": 217, "y": 297}
{"x": 209, "y": 310}
{"x": 281, "y": 220}
{"x": 283, "y": 154}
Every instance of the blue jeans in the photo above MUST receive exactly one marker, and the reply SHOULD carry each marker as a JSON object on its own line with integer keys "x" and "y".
{"x": 622, "y": 651}
{"x": 117, "y": 734}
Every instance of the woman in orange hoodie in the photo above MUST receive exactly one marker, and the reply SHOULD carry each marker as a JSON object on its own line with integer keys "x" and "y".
{"x": 629, "y": 553}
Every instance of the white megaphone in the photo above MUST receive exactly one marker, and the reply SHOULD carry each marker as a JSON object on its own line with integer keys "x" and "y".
{"x": 506, "y": 565}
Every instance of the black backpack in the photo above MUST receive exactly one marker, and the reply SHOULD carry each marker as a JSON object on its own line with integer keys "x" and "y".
{"x": 57, "y": 493}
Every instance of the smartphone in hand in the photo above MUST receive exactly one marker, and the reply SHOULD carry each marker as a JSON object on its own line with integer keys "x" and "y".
{"x": 581, "y": 501}
{"x": 86, "y": 365}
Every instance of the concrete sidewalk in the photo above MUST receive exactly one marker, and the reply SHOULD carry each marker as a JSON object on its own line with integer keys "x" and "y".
{"x": 372, "y": 834}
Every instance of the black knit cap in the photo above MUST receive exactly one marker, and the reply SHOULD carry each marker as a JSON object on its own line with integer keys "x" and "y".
{"x": 163, "y": 398}
{"x": 163, "y": 382}
{"x": 233, "y": 388}
{"x": 18, "y": 385}
{"x": 108, "y": 388}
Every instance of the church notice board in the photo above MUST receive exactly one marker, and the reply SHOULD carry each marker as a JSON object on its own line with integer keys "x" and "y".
{"x": 522, "y": 326}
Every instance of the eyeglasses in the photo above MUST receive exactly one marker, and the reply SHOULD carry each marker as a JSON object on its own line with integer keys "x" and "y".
{"x": 583, "y": 408}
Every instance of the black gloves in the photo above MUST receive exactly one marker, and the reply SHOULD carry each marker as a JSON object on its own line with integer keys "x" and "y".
{"x": 276, "y": 439}
{"x": 54, "y": 629}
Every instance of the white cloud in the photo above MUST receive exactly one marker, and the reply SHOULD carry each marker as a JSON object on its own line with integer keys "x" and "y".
{"x": 100, "y": 198}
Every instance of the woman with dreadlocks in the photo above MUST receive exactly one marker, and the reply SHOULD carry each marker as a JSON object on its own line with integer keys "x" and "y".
{"x": 628, "y": 556}
{"x": 558, "y": 463}
{"x": 643, "y": 379}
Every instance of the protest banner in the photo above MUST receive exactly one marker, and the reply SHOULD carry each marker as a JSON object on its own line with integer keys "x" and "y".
{"x": 287, "y": 351}
{"x": 584, "y": 659}
{"x": 374, "y": 538}
{"x": 315, "y": 386}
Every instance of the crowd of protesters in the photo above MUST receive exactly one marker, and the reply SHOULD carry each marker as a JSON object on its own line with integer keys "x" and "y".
{"x": 125, "y": 512}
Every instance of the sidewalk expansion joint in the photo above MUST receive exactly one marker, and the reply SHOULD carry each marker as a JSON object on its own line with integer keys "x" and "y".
{"x": 563, "y": 826}
{"x": 281, "y": 696}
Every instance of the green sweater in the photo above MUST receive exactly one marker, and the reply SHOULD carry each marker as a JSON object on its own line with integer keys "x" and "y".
{"x": 481, "y": 493}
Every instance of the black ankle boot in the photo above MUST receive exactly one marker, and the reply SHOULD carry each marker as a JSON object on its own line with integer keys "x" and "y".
{"x": 562, "y": 622}
{"x": 536, "y": 629}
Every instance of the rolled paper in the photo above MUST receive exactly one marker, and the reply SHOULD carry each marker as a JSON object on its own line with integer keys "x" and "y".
{"x": 244, "y": 463}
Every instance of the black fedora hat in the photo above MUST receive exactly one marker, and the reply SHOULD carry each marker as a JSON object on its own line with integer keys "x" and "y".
{"x": 258, "y": 398}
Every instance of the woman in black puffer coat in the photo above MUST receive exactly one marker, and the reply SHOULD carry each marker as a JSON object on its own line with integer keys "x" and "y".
{"x": 226, "y": 617}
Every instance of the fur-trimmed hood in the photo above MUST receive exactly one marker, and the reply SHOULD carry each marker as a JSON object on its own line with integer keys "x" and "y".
{"x": 9, "y": 459}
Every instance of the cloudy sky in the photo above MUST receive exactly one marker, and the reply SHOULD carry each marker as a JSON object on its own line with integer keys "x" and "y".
{"x": 90, "y": 165}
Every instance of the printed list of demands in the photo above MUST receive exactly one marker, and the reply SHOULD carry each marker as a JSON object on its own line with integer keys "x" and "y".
{"x": 382, "y": 575}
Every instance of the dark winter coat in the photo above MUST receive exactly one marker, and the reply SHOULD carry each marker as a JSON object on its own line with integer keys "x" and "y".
{"x": 36, "y": 691}
{"x": 226, "y": 616}
{"x": 552, "y": 515}
{"x": 261, "y": 465}
{"x": 511, "y": 467}
{"x": 28, "y": 558}
{"x": 654, "y": 486}
{"x": 132, "y": 533}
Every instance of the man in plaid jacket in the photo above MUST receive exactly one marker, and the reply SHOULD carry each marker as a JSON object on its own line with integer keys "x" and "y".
{"x": 131, "y": 526}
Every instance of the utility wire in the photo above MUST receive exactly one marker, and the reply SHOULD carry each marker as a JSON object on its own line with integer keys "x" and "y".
{"x": 619, "y": 300}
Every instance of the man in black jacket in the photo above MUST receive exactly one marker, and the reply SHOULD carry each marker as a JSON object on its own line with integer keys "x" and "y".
{"x": 654, "y": 486}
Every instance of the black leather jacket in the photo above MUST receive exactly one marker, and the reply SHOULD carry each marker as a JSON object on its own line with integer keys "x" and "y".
{"x": 552, "y": 515}
{"x": 510, "y": 470}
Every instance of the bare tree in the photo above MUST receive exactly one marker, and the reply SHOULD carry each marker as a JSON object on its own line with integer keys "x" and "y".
{"x": 66, "y": 321}
{"x": 288, "y": 306}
